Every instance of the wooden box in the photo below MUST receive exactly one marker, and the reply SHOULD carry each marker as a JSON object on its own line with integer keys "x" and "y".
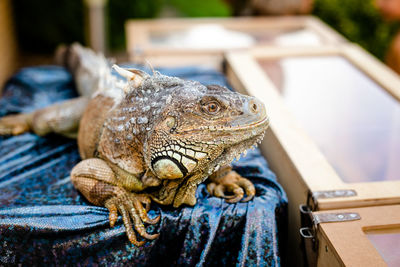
{"x": 368, "y": 236}
{"x": 334, "y": 136}
{"x": 198, "y": 41}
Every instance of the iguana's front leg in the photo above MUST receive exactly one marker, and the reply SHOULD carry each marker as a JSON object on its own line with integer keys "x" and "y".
{"x": 62, "y": 118}
{"x": 95, "y": 179}
{"x": 178, "y": 191}
{"x": 224, "y": 183}
{"x": 225, "y": 180}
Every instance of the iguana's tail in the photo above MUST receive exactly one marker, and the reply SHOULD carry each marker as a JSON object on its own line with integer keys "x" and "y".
{"x": 91, "y": 71}
{"x": 92, "y": 74}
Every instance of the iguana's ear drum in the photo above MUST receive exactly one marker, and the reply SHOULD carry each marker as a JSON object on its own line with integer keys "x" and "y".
{"x": 168, "y": 168}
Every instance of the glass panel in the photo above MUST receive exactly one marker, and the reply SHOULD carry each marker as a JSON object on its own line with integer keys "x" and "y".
{"x": 354, "y": 122}
{"x": 387, "y": 243}
{"x": 213, "y": 36}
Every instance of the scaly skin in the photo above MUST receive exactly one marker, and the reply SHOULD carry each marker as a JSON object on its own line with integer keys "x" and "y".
{"x": 152, "y": 137}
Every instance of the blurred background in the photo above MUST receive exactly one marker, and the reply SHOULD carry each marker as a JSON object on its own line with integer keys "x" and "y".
{"x": 34, "y": 29}
{"x": 42, "y": 25}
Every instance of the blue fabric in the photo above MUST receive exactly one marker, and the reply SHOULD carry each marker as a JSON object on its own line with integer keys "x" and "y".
{"x": 45, "y": 221}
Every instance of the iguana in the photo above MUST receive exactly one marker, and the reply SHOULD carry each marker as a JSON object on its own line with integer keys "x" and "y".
{"x": 147, "y": 137}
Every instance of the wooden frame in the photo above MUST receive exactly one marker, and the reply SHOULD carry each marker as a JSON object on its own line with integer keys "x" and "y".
{"x": 292, "y": 142}
{"x": 293, "y": 156}
{"x": 347, "y": 243}
{"x": 140, "y": 47}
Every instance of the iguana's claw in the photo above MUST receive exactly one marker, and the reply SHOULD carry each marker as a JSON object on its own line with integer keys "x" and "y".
{"x": 130, "y": 206}
{"x": 14, "y": 124}
{"x": 233, "y": 184}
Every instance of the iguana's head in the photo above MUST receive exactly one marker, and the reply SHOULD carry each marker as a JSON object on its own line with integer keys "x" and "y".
{"x": 192, "y": 128}
{"x": 204, "y": 128}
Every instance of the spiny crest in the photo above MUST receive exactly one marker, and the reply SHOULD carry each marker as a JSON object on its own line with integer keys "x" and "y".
{"x": 140, "y": 81}
{"x": 143, "y": 102}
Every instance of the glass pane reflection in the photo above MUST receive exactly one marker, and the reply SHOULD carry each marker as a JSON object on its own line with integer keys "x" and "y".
{"x": 388, "y": 245}
{"x": 354, "y": 122}
{"x": 213, "y": 36}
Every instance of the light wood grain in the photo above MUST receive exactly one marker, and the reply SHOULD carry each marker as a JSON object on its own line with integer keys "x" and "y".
{"x": 349, "y": 239}
{"x": 8, "y": 45}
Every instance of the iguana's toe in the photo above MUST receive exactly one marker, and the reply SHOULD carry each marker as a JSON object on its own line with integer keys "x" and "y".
{"x": 248, "y": 188}
{"x": 138, "y": 201}
{"x": 232, "y": 187}
{"x": 134, "y": 215}
{"x": 113, "y": 216}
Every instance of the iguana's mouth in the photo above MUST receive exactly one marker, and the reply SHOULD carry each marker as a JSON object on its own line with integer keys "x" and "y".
{"x": 260, "y": 124}
{"x": 257, "y": 124}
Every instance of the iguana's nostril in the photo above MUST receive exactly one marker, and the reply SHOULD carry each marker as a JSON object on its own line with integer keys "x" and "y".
{"x": 254, "y": 108}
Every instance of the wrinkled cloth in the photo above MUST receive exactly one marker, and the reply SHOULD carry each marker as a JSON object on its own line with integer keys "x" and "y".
{"x": 44, "y": 220}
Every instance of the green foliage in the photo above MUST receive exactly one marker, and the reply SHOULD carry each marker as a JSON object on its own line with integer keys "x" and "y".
{"x": 201, "y": 8}
{"x": 359, "y": 21}
{"x": 121, "y": 10}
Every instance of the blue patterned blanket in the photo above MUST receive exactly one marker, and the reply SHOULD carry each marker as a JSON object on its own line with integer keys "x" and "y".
{"x": 45, "y": 221}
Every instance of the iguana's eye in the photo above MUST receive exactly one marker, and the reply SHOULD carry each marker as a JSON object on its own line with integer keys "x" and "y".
{"x": 211, "y": 107}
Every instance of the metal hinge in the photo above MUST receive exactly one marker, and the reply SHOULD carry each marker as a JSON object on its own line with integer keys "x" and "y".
{"x": 313, "y": 197}
{"x": 309, "y": 227}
